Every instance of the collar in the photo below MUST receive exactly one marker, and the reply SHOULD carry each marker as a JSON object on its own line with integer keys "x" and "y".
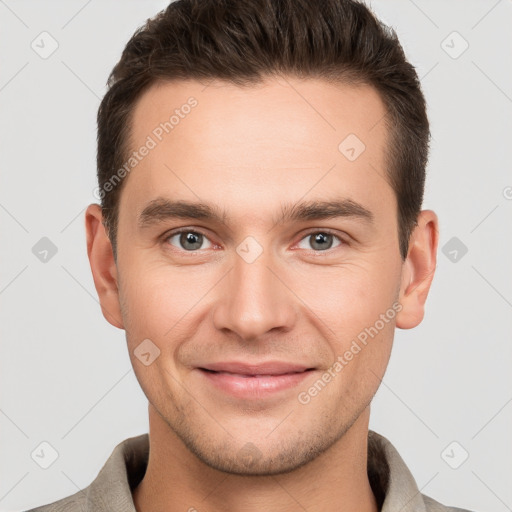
{"x": 390, "y": 479}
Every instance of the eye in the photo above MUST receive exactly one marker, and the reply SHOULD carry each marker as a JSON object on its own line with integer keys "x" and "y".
{"x": 188, "y": 240}
{"x": 320, "y": 241}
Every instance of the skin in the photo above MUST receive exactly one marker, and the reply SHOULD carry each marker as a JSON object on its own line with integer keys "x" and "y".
{"x": 249, "y": 150}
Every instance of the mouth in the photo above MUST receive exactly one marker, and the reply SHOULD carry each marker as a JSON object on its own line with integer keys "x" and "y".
{"x": 268, "y": 368}
{"x": 254, "y": 381}
{"x": 256, "y": 375}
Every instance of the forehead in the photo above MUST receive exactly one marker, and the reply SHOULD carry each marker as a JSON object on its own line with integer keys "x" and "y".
{"x": 244, "y": 145}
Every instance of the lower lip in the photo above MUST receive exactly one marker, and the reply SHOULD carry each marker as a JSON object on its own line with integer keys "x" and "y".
{"x": 254, "y": 386}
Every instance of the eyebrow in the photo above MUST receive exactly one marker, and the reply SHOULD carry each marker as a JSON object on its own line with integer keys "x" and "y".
{"x": 162, "y": 209}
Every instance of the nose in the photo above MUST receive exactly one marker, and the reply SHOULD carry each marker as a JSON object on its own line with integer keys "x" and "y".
{"x": 255, "y": 298}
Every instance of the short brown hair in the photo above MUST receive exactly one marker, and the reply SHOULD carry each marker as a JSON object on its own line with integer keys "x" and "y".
{"x": 246, "y": 41}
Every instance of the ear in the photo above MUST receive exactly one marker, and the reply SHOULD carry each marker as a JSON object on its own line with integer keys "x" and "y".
{"x": 418, "y": 270}
{"x": 103, "y": 265}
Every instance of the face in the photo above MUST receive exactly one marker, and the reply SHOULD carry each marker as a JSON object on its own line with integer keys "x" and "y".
{"x": 250, "y": 242}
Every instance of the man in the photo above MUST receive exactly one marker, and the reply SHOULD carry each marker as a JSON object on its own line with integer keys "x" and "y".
{"x": 261, "y": 167}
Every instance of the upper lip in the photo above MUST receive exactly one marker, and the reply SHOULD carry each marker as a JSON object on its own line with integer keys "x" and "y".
{"x": 264, "y": 368}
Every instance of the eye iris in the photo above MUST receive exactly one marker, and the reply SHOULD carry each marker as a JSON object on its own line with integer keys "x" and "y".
{"x": 324, "y": 241}
{"x": 196, "y": 239}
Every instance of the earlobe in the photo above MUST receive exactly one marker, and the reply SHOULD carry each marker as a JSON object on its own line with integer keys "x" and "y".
{"x": 418, "y": 270}
{"x": 103, "y": 266}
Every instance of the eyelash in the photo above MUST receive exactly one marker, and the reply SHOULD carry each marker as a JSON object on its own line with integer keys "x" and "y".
{"x": 168, "y": 236}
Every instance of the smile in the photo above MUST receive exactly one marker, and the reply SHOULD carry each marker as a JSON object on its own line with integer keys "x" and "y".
{"x": 252, "y": 386}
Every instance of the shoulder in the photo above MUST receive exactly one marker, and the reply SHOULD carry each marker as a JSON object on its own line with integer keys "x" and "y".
{"x": 394, "y": 482}
{"x": 432, "y": 505}
{"x": 89, "y": 500}
{"x": 111, "y": 489}
{"x": 76, "y": 503}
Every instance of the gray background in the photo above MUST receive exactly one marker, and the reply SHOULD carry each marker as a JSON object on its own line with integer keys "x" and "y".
{"x": 65, "y": 375}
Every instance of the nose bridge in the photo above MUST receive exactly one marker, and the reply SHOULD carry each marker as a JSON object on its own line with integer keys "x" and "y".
{"x": 253, "y": 299}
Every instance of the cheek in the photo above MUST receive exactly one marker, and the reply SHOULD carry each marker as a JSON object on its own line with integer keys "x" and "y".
{"x": 350, "y": 302}
{"x": 358, "y": 311}
{"x": 158, "y": 296}
{"x": 348, "y": 298}
{"x": 156, "y": 302}
{"x": 159, "y": 300}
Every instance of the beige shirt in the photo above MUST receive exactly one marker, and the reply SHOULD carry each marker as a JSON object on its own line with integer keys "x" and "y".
{"x": 392, "y": 483}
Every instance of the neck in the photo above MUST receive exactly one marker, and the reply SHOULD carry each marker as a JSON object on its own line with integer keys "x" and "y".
{"x": 176, "y": 480}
